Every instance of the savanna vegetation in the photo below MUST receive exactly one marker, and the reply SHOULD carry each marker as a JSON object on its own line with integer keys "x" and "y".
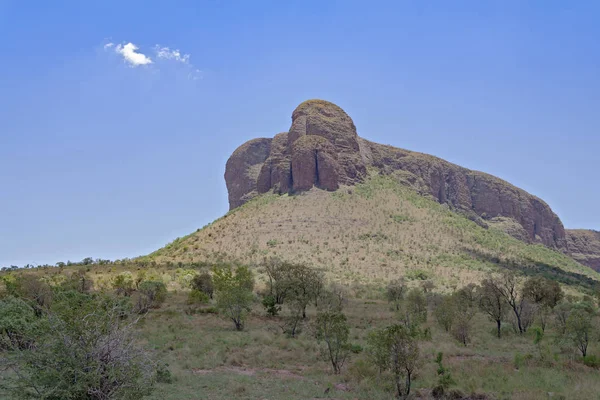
{"x": 277, "y": 330}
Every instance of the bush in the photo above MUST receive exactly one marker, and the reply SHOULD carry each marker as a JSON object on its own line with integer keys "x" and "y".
{"x": 88, "y": 350}
{"x": 592, "y": 361}
{"x": 204, "y": 284}
{"x": 152, "y": 295}
{"x": 18, "y": 324}
{"x": 123, "y": 283}
{"x": 197, "y": 297}
{"x": 270, "y": 304}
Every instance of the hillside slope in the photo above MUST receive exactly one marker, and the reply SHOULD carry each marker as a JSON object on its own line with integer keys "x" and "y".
{"x": 370, "y": 233}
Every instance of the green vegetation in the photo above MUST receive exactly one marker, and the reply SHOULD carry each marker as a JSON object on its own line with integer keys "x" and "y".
{"x": 354, "y": 342}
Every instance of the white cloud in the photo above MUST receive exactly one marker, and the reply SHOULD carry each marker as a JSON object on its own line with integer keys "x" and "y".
{"x": 168, "y": 54}
{"x": 108, "y": 46}
{"x": 130, "y": 54}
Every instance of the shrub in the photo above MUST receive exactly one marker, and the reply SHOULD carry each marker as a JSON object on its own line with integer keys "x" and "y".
{"x": 87, "y": 351}
{"x": 270, "y": 304}
{"x": 592, "y": 361}
{"x": 204, "y": 283}
{"x": 152, "y": 295}
{"x": 18, "y": 324}
{"x": 197, "y": 297}
{"x": 123, "y": 283}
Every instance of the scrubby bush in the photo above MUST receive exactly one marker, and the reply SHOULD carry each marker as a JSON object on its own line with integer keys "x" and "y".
{"x": 151, "y": 295}
{"x": 197, "y": 297}
{"x": 123, "y": 284}
{"x": 592, "y": 361}
{"x": 19, "y": 324}
{"x": 270, "y": 304}
{"x": 204, "y": 284}
{"x": 86, "y": 350}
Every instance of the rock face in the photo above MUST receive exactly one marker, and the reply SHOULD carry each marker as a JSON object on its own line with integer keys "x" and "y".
{"x": 584, "y": 246}
{"x": 242, "y": 169}
{"x": 323, "y": 149}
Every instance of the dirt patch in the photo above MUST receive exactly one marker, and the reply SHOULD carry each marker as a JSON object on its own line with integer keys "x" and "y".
{"x": 281, "y": 373}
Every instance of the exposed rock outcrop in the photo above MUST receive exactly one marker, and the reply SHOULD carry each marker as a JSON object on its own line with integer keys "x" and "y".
{"x": 584, "y": 246}
{"x": 243, "y": 168}
{"x": 323, "y": 149}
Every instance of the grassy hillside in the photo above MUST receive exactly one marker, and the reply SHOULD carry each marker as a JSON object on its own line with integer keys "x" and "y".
{"x": 369, "y": 234}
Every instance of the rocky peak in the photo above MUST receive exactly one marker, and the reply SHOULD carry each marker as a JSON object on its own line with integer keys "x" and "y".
{"x": 322, "y": 149}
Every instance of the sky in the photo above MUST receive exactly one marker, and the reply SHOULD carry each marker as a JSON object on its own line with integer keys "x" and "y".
{"x": 117, "y": 117}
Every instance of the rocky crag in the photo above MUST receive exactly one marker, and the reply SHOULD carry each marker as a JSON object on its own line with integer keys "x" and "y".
{"x": 322, "y": 149}
{"x": 584, "y": 246}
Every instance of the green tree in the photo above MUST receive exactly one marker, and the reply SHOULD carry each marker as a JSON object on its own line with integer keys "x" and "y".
{"x": 395, "y": 292}
{"x": 581, "y": 329}
{"x": 234, "y": 293}
{"x": 413, "y": 309}
{"x": 332, "y": 328}
{"x": 395, "y": 350}
{"x": 493, "y": 303}
{"x": 545, "y": 295}
{"x": 445, "y": 312}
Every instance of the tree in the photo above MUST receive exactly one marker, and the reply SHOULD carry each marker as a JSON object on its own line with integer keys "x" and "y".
{"x": 413, "y": 310}
{"x": 509, "y": 288}
{"x": 445, "y": 312}
{"x": 581, "y": 329}
{"x": 234, "y": 293}
{"x": 395, "y": 292}
{"x": 395, "y": 350}
{"x": 278, "y": 274}
{"x": 464, "y": 304}
{"x": 543, "y": 291}
{"x": 204, "y": 283}
{"x": 332, "y": 328}
{"x": 545, "y": 294}
{"x": 492, "y": 302}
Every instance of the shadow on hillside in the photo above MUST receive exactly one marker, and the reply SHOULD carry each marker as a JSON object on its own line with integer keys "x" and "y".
{"x": 533, "y": 268}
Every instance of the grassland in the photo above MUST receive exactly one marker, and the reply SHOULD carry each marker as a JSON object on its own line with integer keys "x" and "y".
{"x": 210, "y": 360}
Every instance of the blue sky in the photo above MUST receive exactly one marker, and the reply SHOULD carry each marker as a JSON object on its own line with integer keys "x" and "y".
{"x": 100, "y": 158}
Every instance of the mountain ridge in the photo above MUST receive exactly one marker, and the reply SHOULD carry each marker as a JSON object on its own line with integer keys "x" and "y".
{"x": 323, "y": 149}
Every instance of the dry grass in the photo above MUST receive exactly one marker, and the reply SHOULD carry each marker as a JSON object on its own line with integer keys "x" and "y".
{"x": 367, "y": 234}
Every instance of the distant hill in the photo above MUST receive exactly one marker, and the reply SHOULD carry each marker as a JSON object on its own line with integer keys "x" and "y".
{"x": 366, "y": 212}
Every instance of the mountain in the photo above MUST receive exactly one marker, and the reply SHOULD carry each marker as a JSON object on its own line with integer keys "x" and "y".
{"x": 366, "y": 212}
{"x": 323, "y": 149}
